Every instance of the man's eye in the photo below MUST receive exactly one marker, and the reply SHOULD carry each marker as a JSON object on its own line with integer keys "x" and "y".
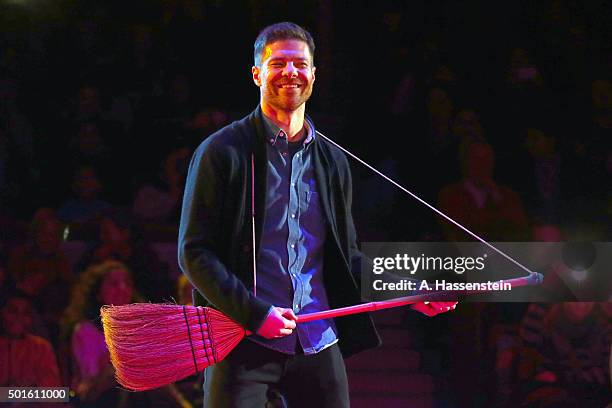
{"x": 276, "y": 64}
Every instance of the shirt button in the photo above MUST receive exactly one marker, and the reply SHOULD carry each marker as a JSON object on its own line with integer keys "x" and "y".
{"x": 292, "y": 184}
{"x": 285, "y": 154}
{"x": 292, "y": 215}
{"x": 292, "y": 245}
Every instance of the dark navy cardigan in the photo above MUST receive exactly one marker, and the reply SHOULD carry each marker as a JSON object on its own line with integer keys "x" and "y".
{"x": 215, "y": 236}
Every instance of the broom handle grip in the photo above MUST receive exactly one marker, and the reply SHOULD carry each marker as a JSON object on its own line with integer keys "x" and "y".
{"x": 533, "y": 279}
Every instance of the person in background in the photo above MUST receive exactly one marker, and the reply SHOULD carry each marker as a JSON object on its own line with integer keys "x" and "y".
{"x": 119, "y": 239}
{"x": 160, "y": 203}
{"x": 571, "y": 352}
{"x": 40, "y": 262}
{"x": 479, "y": 202}
{"x": 42, "y": 270}
{"x": 92, "y": 373}
{"x": 85, "y": 207}
{"x": 26, "y": 360}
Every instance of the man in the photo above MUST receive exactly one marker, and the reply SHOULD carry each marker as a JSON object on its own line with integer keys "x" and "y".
{"x": 274, "y": 164}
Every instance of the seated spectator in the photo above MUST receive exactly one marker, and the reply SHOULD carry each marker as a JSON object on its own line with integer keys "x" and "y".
{"x": 467, "y": 127}
{"x": 544, "y": 175}
{"x": 93, "y": 376}
{"x": 571, "y": 352}
{"x": 40, "y": 268}
{"x": 119, "y": 240}
{"x": 85, "y": 207}
{"x": 40, "y": 262}
{"x": 26, "y": 360}
{"x": 90, "y": 144}
{"x": 521, "y": 71}
{"x": 440, "y": 110}
{"x": 92, "y": 373}
{"x": 524, "y": 92}
{"x": 160, "y": 203}
{"x": 479, "y": 202}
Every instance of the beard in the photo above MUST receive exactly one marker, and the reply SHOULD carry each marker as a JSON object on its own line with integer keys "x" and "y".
{"x": 288, "y": 99}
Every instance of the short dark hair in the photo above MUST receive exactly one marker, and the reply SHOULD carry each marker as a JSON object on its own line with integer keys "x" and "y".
{"x": 281, "y": 31}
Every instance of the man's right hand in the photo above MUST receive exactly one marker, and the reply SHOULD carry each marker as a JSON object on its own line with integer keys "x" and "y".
{"x": 280, "y": 322}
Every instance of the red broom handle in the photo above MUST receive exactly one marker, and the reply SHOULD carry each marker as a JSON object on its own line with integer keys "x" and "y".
{"x": 533, "y": 279}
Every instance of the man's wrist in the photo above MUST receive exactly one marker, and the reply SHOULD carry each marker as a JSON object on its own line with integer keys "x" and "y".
{"x": 270, "y": 310}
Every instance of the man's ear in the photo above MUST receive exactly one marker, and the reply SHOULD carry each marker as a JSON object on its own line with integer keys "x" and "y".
{"x": 313, "y": 73}
{"x": 256, "y": 75}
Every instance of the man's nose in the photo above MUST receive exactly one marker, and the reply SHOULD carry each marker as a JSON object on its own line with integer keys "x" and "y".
{"x": 290, "y": 70}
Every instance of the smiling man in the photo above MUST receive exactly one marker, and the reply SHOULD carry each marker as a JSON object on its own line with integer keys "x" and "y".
{"x": 267, "y": 234}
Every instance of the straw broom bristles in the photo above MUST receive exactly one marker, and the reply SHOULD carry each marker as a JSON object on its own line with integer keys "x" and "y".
{"x": 152, "y": 345}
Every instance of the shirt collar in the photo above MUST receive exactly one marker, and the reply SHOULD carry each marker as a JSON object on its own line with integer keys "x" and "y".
{"x": 273, "y": 132}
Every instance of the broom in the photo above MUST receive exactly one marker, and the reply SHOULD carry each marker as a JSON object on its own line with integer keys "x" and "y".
{"x": 152, "y": 345}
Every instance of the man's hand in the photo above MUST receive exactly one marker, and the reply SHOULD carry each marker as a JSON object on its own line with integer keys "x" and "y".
{"x": 433, "y": 308}
{"x": 280, "y": 322}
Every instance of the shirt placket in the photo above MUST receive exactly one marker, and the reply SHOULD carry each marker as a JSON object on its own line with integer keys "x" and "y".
{"x": 293, "y": 220}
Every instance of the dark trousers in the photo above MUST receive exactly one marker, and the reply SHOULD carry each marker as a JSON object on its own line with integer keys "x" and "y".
{"x": 251, "y": 375}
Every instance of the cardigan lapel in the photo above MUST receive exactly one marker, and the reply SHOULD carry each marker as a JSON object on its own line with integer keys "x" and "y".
{"x": 258, "y": 149}
{"x": 324, "y": 167}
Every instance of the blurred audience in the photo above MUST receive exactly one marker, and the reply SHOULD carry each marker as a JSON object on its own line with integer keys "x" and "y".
{"x": 479, "y": 202}
{"x": 119, "y": 239}
{"x": 568, "y": 352}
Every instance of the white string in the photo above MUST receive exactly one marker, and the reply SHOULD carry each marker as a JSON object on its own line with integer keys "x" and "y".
{"x": 419, "y": 199}
{"x": 253, "y": 223}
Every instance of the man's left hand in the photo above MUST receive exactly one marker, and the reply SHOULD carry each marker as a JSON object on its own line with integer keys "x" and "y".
{"x": 433, "y": 308}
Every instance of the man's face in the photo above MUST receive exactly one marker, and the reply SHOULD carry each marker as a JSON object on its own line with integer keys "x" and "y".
{"x": 86, "y": 184}
{"x": 48, "y": 236}
{"x": 116, "y": 288}
{"x": 16, "y": 317}
{"x": 286, "y": 75}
